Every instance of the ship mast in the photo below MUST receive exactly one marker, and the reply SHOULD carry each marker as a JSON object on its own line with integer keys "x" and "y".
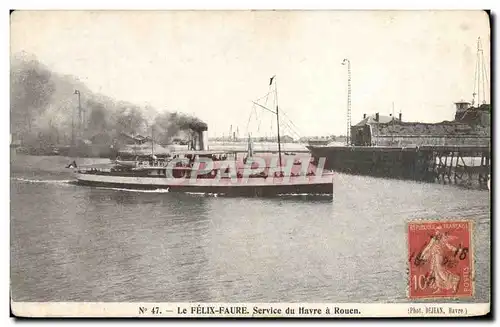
{"x": 273, "y": 79}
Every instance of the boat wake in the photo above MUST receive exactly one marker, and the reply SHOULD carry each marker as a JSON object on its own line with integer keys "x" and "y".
{"x": 43, "y": 181}
{"x": 160, "y": 190}
{"x": 305, "y": 195}
{"x": 287, "y": 195}
{"x": 206, "y": 194}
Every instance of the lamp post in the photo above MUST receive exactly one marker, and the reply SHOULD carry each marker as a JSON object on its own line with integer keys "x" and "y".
{"x": 79, "y": 113}
{"x": 348, "y": 133}
{"x": 73, "y": 126}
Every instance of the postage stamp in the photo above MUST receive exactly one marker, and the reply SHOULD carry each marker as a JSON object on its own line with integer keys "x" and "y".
{"x": 441, "y": 259}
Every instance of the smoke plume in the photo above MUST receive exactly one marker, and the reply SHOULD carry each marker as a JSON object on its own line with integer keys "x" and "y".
{"x": 45, "y": 110}
{"x": 167, "y": 125}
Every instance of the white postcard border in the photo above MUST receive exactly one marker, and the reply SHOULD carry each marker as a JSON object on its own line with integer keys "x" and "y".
{"x": 247, "y": 310}
{"x": 18, "y": 306}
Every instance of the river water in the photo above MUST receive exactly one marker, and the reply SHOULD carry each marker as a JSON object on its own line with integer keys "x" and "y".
{"x": 75, "y": 243}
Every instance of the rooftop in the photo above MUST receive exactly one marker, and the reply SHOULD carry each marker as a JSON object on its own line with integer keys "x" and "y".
{"x": 381, "y": 120}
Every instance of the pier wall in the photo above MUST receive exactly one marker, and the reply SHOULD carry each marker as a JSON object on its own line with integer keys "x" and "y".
{"x": 419, "y": 140}
{"x": 407, "y": 163}
{"x": 424, "y": 163}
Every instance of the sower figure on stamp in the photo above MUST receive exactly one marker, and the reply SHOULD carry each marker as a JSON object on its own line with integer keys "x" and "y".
{"x": 434, "y": 253}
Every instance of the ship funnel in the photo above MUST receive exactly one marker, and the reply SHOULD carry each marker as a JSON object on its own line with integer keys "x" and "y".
{"x": 202, "y": 140}
{"x": 400, "y": 116}
{"x": 377, "y": 116}
{"x": 364, "y": 116}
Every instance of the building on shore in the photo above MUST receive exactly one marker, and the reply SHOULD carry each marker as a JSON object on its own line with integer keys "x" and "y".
{"x": 386, "y": 146}
{"x": 471, "y": 126}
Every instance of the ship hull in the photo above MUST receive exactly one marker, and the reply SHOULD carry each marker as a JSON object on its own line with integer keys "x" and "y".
{"x": 252, "y": 187}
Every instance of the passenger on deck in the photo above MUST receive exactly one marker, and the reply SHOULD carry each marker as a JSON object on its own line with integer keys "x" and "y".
{"x": 279, "y": 174}
{"x": 72, "y": 165}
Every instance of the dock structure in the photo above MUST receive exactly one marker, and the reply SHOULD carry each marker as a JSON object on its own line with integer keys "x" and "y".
{"x": 441, "y": 163}
{"x": 461, "y": 164}
{"x": 457, "y": 151}
{"x": 449, "y": 151}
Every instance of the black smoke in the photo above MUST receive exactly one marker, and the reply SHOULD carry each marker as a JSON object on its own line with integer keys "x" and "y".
{"x": 167, "y": 125}
{"x": 31, "y": 92}
{"x": 44, "y": 110}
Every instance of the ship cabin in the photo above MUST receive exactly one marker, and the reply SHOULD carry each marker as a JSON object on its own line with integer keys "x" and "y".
{"x": 183, "y": 164}
{"x": 219, "y": 162}
{"x": 193, "y": 155}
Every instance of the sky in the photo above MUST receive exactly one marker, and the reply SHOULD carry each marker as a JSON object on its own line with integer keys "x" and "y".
{"x": 212, "y": 64}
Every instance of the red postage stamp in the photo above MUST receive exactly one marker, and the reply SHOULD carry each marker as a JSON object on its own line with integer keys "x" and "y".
{"x": 440, "y": 259}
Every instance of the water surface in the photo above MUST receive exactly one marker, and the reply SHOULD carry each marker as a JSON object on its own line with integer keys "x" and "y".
{"x": 75, "y": 243}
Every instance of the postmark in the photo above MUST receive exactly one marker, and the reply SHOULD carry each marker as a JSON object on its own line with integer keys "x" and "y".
{"x": 440, "y": 259}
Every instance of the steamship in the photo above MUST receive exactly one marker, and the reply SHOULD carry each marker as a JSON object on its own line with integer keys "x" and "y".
{"x": 201, "y": 170}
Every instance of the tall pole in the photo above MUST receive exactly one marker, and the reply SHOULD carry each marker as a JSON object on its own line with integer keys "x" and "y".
{"x": 277, "y": 119}
{"x": 480, "y": 91}
{"x": 79, "y": 114}
{"x": 84, "y": 118}
{"x": 392, "y": 122}
{"x": 72, "y": 126}
{"x": 480, "y": 77}
{"x": 482, "y": 70}
{"x": 152, "y": 141}
{"x": 348, "y": 132}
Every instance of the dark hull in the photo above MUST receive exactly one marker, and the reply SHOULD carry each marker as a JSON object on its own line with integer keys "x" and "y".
{"x": 271, "y": 190}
